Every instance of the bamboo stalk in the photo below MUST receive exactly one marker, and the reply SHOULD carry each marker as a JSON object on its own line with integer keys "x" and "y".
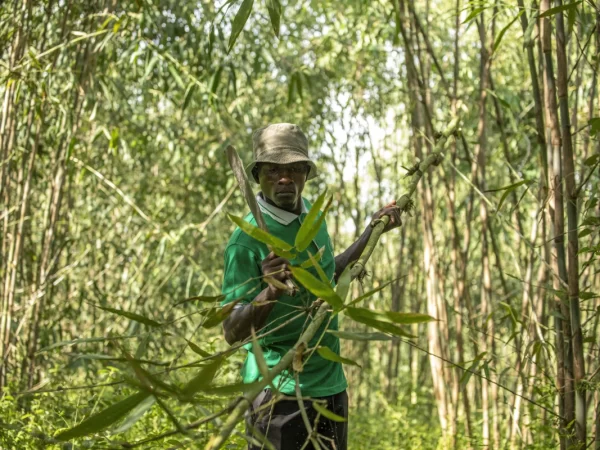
{"x": 573, "y": 240}
{"x": 563, "y": 327}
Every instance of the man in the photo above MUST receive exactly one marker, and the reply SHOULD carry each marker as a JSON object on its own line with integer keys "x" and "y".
{"x": 281, "y": 166}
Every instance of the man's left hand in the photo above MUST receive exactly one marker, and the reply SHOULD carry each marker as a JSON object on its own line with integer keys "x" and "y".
{"x": 389, "y": 210}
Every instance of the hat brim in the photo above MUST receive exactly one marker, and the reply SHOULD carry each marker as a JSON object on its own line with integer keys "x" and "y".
{"x": 282, "y": 158}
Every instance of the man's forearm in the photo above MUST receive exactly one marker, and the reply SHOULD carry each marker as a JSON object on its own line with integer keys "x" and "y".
{"x": 352, "y": 253}
{"x": 239, "y": 324}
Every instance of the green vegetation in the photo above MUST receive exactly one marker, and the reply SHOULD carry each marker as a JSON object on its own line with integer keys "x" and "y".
{"x": 480, "y": 117}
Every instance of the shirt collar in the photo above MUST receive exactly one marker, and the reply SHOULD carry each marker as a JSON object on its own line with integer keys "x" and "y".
{"x": 280, "y": 215}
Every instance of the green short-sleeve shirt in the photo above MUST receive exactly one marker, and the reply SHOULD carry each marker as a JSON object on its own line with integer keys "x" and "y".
{"x": 243, "y": 257}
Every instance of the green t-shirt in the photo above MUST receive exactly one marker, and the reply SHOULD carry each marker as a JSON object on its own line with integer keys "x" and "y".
{"x": 243, "y": 258}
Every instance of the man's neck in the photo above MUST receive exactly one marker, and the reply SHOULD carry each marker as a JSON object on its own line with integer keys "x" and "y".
{"x": 297, "y": 209}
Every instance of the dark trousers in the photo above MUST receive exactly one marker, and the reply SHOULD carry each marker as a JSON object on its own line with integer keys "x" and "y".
{"x": 282, "y": 425}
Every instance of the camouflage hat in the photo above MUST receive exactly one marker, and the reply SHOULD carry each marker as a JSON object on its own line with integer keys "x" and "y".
{"x": 280, "y": 143}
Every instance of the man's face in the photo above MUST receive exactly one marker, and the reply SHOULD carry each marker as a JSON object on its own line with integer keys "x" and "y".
{"x": 283, "y": 183}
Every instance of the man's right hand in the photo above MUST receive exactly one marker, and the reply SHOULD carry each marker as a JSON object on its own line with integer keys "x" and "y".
{"x": 277, "y": 268}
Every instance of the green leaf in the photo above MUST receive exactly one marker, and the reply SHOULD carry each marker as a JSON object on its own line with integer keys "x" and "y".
{"x": 472, "y": 369}
{"x": 592, "y": 160}
{"x": 274, "y": 8}
{"x": 135, "y": 414}
{"x": 329, "y": 354}
{"x": 132, "y": 316}
{"x": 584, "y": 232}
{"x": 260, "y": 235}
{"x": 188, "y": 95}
{"x": 216, "y": 79}
{"x": 318, "y": 288}
{"x": 507, "y": 190}
{"x": 204, "y": 378}
{"x": 104, "y": 418}
{"x": 358, "y": 336}
{"x": 392, "y": 316}
{"x": 343, "y": 284}
{"x": 197, "y": 350}
{"x": 559, "y": 9}
{"x": 308, "y": 230}
{"x": 571, "y": 16}
{"x": 202, "y": 298}
{"x": 588, "y": 295}
{"x": 594, "y": 122}
{"x": 313, "y": 259}
{"x": 370, "y": 293}
{"x": 473, "y": 14}
{"x": 176, "y": 76}
{"x": 239, "y": 21}
{"x": 504, "y": 30}
{"x": 528, "y": 34}
{"x": 386, "y": 327}
{"x": 326, "y": 413}
{"x": 218, "y": 315}
{"x": 85, "y": 341}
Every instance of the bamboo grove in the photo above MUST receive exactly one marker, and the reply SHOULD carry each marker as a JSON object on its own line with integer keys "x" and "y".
{"x": 115, "y": 194}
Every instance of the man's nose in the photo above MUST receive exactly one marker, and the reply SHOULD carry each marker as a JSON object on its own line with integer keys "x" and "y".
{"x": 285, "y": 177}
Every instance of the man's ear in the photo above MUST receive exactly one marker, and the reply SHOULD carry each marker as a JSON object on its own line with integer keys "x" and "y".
{"x": 255, "y": 171}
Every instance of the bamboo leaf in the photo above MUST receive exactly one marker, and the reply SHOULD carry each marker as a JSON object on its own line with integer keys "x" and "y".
{"x": 473, "y": 14}
{"x": 504, "y": 30}
{"x": 327, "y": 353}
{"x": 317, "y": 288}
{"x": 359, "y": 336}
{"x": 328, "y": 414}
{"x": 314, "y": 228}
{"x": 260, "y": 235}
{"x": 132, "y": 316}
{"x": 104, "y": 418}
{"x": 239, "y": 21}
{"x": 85, "y": 341}
{"x": 386, "y": 327}
{"x": 188, "y": 95}
{"x": 216, "y": 79}
{"x": 507, "y": 190}
{"x": 176, "y": 76}
{"x": 559, "y": 9}
{"x": 197, "y": 350}
{"x": 307, "y": 231}
{"x": 528, "y": 34}
{"x": 274, "y": 8}
{"x": 218, "y": 315}
{"x": 313, "y": 259}
{"x": 135, "y": 414}
{"x": 203, "y": 379}
{"x": 592, "y": 160}
{"x": 370, "y": 293}
{"x": 391, "y": 316}
{"x": 343, "y": 284}
{"x": 202, "y": 298}
{"x": 278, "y": 284}
{"x": 472, "y": 369}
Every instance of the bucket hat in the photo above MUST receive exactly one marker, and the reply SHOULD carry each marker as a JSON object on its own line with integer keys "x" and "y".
{"x": 280, "y": 143}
